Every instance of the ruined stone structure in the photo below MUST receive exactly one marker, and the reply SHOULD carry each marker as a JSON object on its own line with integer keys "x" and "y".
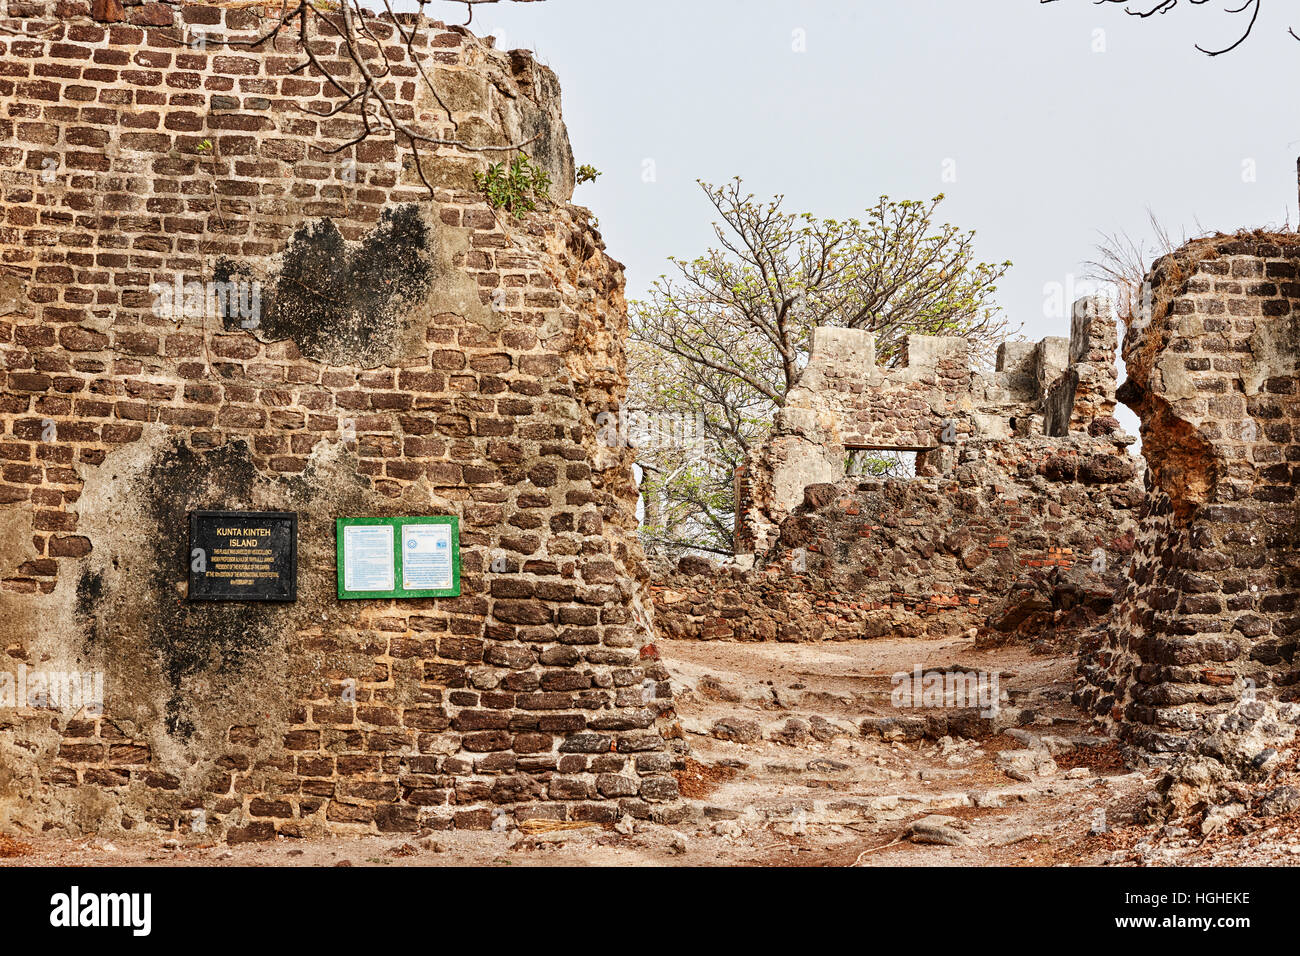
{"x": 413, "y": 355}
{"x": 1209, "y": 615}
{"x": 932, "y": 404}
{"x": 201, "y": 308}
{"x": 1018, "y": 471}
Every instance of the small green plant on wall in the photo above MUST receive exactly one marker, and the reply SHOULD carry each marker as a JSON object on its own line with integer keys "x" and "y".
{"x": 587, "y": 174}
{"x": 515, "y": 188}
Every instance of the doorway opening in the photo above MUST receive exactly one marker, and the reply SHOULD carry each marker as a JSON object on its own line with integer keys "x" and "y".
{"x": 881, "y": 463}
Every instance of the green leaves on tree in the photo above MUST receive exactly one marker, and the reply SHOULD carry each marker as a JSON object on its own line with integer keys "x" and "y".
{"x": 516, "y": 188}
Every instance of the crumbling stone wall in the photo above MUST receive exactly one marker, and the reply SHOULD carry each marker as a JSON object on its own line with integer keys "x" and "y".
{"x": 1208, "y": 617}
{"x": 930, "y": 404}
{"x": 415, "y": 354}
{"x": 1085, "y": 391}
{"x": 1020, "y": 471}
{"x": 925, "y": 557}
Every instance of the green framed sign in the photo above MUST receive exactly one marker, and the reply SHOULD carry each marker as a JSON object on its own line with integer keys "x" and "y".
{"x": 409, "y": 557}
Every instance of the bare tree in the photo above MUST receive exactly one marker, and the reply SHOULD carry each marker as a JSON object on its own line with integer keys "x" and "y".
{"x": 1248, "y": 10}
{"x": 361, "y": 83}
{"x": 364, "y": 95}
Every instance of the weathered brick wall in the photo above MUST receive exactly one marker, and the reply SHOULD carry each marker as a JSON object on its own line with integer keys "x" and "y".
{"x": 1085, "y": 391}
{"x": 932, "y": 402}
{"x": 926, "y": 557}
{"x": 1020, "y": 471}
{"x": 416, "y": 354}
{"x": 1209, "y": 613}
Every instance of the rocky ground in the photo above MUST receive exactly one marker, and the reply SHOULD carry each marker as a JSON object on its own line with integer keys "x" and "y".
{"x": 796, "y": 757}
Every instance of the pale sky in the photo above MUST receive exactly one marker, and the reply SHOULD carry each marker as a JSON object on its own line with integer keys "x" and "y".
{"x": 1054, "y": 122}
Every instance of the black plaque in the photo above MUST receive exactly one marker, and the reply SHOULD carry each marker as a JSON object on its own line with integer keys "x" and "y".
{"x": 243, "y": 556}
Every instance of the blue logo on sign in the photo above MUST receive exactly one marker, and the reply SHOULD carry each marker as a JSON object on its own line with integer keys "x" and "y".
{"x": 442, "y": 544}
{"x": 411, "y": 544}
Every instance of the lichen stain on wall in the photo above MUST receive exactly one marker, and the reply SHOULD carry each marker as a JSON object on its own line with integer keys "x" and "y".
{"x": 357, "y": 303}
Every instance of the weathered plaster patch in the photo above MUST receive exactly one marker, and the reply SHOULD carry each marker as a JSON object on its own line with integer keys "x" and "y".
{"x": 365, "y": 303}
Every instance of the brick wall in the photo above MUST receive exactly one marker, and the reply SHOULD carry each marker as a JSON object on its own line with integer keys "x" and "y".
{"x": 1209, "y": 614}
{"x": 926, "y": 557}
{"x": 415, "y": 354}
{"x": 934, "y": 402}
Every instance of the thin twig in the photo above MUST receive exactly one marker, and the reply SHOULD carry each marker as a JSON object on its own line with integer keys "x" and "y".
{"x": 875, "y": 848}
{"x": 366, "y": 98}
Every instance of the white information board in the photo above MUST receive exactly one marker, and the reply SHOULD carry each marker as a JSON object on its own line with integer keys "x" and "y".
{"x": 368, "y": 558}
{"x": 426, "y": 557}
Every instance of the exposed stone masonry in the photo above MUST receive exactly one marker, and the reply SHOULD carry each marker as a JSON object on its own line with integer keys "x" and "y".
{"x": 1209, "y": 614}
{"x": 416, "y": 355}
{"x": 995, "y": 497}
{"x": 931, "y": 404}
